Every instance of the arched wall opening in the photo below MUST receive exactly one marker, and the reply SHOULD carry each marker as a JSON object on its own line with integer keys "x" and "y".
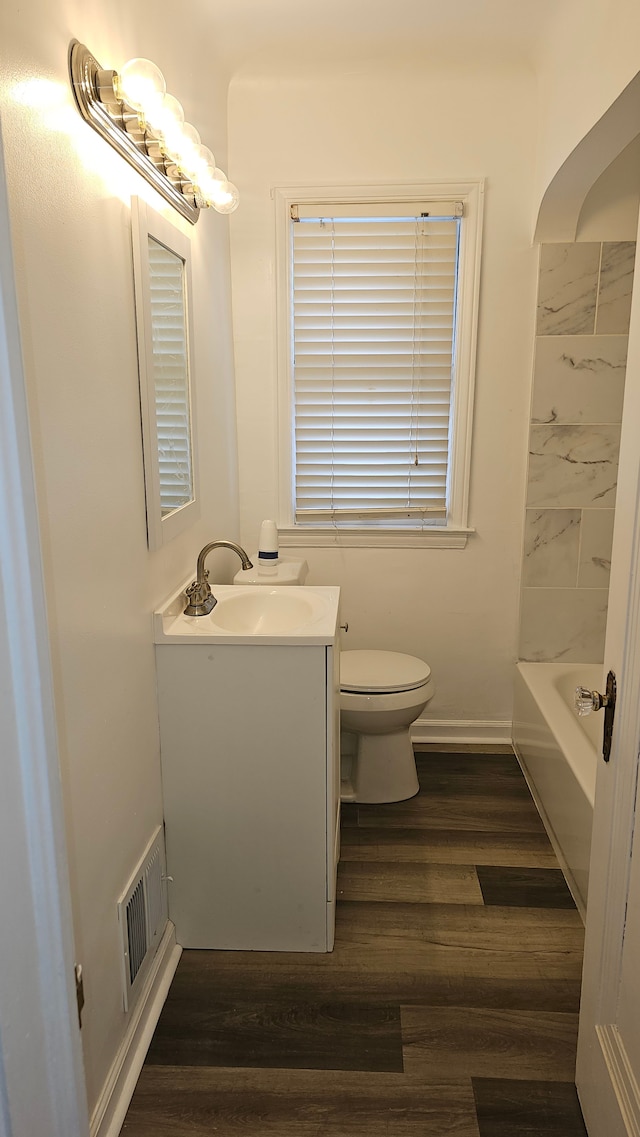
{"x": 586, "y": 228}
{"x": 559, "y": 214}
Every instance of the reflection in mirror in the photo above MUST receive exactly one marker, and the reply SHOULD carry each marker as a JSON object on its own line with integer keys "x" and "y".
{"x": 170, "y": 376}
{"x": 161, "y": 259}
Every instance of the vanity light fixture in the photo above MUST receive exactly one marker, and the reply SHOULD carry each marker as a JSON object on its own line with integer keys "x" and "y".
{"x": 133, "y": 111}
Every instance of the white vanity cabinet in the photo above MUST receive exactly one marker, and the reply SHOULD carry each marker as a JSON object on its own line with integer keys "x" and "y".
{"x": 251, "y": 782}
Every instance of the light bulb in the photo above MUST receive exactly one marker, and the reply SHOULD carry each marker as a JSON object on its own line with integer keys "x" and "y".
{"x": 211, "y": 181}
{"x": 228, "y": 198}
{"x": 163, "y": 114}
{"x": 200, "y": 165}
{"x": 205, "y": 162}
{"x": 172, "y": 140}
{"x": 181, "y": 146}
{"x": 191, "y": 136}
{"x": 139, "y": 83}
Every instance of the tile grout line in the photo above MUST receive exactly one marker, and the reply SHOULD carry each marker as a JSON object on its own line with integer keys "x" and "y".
{"x": 598, "y": 287}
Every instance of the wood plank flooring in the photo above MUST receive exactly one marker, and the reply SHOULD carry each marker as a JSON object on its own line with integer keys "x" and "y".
{"x": 447, "y": 1009}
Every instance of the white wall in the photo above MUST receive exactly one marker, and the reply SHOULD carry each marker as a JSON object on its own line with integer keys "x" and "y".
{"x": 456, "y": 608}
{"x": 70, "y": 211}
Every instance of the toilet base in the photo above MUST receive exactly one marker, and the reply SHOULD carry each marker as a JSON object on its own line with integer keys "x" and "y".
{"x": 384, "y": 768}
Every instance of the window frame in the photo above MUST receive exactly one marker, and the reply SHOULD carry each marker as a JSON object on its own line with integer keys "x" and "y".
{"x": 455, "y": 532}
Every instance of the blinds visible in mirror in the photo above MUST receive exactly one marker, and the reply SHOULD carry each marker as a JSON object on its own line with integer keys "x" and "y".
{"x": 170, "y": 376}
{"x": 374, "y": 331}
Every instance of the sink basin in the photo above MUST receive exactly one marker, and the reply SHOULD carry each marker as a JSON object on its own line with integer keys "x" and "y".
{"x": 264, "y": 613}
{"x": 246, "y": 614}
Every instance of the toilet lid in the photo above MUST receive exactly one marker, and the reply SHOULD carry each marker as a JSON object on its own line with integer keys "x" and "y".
{"x": 381, "y": 671}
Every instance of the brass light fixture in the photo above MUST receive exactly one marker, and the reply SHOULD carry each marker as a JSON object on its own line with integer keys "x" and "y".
{"x": 133, "y": 111}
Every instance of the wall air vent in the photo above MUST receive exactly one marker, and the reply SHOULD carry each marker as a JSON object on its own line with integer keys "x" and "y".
{"x": 142, "y": 915}
{"x": 136, "y": 923}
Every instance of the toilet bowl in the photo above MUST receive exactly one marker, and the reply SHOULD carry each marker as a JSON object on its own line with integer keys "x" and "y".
{"x": 381, "y": 694}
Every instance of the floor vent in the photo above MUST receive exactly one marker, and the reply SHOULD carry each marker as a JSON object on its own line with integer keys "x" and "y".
{"x": 142, "y": 915}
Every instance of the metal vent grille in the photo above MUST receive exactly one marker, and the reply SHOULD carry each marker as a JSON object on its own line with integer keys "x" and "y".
{"x": 142, "y": 913}
{"x": 136, "y": 931}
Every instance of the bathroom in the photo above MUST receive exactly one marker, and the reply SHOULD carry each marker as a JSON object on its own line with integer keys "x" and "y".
{"x": 357, "y": 116}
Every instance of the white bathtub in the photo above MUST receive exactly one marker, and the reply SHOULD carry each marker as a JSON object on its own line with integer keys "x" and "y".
{"x": 559, "y": 755}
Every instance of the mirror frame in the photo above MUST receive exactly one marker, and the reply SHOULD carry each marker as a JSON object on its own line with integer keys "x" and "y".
{"x": 147, "y": 223}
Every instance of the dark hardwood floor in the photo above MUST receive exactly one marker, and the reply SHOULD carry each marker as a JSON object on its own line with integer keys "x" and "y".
{"x": 449, "y": 1007}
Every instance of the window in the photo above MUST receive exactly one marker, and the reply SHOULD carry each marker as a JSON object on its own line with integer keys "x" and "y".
{"x": 379, "y": 299}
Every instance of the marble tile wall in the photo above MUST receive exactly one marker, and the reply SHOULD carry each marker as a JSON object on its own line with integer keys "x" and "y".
{"x": 584, "y": 301}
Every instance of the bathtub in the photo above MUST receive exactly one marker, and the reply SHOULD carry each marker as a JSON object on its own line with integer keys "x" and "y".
{"x": 558, "y": 753}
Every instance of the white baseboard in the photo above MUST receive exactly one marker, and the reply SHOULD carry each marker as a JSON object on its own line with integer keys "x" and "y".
{"x": 110, "y": 1111}
{"x": 461, "y": 731}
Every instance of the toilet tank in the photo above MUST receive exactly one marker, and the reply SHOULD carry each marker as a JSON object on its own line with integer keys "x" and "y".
{"x": 286, "y": 570}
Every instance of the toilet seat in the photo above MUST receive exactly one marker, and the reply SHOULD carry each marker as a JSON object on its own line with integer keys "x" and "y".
{"x": 381, "y": 672}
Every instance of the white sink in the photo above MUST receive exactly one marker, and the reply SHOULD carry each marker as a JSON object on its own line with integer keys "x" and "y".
{"x": 250, "y": 614}
{"x": 265, "y": 612}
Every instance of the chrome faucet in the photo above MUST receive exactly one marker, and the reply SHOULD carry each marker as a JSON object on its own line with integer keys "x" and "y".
{"x": 199, "y": 595}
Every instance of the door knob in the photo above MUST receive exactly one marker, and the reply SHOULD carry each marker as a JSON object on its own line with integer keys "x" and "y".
{"x": 587, "y": 701}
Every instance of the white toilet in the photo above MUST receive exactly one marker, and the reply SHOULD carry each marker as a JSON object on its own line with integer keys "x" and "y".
{"x": 381, "y": 694}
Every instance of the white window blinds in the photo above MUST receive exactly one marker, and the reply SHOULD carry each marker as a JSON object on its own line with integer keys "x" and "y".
{"x": 374, "y": 303}
{"x": 170, "y": 376}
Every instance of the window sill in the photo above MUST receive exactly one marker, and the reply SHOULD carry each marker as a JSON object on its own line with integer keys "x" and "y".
{"x": 297, "y": 537}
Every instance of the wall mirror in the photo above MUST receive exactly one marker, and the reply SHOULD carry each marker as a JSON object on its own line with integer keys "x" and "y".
{"x": 162, "y": 277}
